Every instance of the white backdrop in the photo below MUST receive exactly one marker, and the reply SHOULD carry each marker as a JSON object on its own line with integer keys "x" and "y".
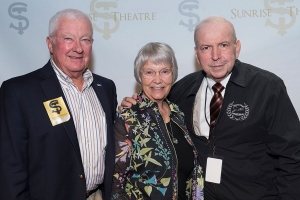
{"x": 269, "y": 31}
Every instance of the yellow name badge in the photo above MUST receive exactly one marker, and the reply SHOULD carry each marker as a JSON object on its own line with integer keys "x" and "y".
{"x": 57, "y": 111}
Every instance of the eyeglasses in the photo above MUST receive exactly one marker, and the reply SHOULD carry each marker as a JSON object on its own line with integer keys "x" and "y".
{"x": 148, "y": 73}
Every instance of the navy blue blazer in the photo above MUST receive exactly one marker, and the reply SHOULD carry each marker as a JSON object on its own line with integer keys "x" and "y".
{"x": 38, "y": 160}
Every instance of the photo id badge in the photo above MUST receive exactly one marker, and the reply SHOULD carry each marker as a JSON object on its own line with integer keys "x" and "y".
{"x": 57, "y": 111}
{"x": 213, "y": 169}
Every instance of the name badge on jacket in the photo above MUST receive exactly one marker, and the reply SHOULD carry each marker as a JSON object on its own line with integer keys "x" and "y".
{"x": 57, "y": 111}
{"x": 213, "y": 170}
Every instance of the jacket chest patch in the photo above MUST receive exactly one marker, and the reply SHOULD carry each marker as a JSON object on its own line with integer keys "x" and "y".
{"x": 237, "y": 112}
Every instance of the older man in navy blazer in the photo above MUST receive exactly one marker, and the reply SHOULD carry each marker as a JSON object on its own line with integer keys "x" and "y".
{"x": 56, "y": 139}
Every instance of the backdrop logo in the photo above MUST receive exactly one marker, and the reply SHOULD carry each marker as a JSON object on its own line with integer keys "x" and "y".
{"x": 288, "y": 11}
{"x": 286, "y": 15}
{"x": 14, "y": 11}
{"x": 134, "y": 16}
{"x": 186, "y": 8}
{"x": 110, "y": 23}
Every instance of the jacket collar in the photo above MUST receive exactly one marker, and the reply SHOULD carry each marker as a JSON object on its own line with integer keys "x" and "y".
{"x": 197, "y": 83}
{"x": 99, "y": 89}
{"x": 238, "y": 77}
{"x": 52, "y": 89}
{"x": 239, "y": 74}
{"x": 144, "y": 102}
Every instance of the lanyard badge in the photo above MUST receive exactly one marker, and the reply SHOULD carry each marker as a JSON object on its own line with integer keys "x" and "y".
{"x": 213, "y": 169}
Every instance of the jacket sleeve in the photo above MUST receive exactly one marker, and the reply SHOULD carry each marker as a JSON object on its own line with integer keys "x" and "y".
{"x": 283, "y": 141}
{"x": 122, "y": 159}
{"x": 13, "y": 147}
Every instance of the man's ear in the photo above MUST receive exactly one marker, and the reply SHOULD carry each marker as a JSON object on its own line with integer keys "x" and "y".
{"x": 195, "y": 51}
{"x": 49, "y": 41}
{"x": 238, "y": 48}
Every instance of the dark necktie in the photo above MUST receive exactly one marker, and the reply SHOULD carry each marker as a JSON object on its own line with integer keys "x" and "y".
{"x": 215, "y": 105}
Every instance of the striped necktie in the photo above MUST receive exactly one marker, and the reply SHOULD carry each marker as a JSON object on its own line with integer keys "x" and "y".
{"x": 215, "y": 105}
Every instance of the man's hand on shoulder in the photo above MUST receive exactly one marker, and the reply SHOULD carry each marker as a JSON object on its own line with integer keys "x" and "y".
{"x": 128, "y": 102}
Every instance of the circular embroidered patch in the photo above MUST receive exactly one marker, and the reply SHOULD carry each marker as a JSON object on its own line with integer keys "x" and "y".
{"x": 238, "y": 112}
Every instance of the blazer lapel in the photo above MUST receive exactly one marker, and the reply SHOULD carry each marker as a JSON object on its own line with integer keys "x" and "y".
{"x": 52, "y": 90}
{"x": 101, "y": 94}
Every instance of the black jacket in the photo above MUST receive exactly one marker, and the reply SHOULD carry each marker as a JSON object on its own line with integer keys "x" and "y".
{"x": 257, "y": 134}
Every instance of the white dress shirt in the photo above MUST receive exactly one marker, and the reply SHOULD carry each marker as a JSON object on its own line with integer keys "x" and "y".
{"x": 201, "y": 109}
{"x": 90, "y": 124}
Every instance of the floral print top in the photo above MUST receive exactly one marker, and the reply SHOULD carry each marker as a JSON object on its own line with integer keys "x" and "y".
{"x": 146, "y": 162}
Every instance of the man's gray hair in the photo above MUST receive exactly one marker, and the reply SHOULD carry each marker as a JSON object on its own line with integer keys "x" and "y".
{"x": 214, "y": 20}
{"x": 67, "y": 13}
{"x": 156, "y": 53}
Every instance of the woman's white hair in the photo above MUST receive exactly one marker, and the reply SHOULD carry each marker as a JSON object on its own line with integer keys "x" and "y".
{"x": 156, "y": 53}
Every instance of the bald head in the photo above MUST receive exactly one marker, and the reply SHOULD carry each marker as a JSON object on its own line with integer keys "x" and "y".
{"x": 216, "y": 47}
{"x": 217, "y": 21}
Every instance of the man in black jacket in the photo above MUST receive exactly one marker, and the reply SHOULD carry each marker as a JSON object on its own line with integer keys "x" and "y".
{"x": 251, "y": 150}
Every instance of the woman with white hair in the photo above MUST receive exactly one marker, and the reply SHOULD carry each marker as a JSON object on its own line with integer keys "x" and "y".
{"x": 155, "y": 156}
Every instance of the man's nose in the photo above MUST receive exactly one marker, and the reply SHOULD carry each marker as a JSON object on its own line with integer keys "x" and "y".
{"x": 216, "y": 53}
{"x": 77, "y": 46}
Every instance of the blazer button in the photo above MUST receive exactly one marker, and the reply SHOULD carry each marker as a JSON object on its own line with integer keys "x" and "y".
{"x": 80, "y": 176}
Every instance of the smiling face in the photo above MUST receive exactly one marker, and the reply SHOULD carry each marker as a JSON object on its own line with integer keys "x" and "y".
{"x": 216, "y": 50}
{"x": 156, "y": 81}
{"x": 71, "y": 46}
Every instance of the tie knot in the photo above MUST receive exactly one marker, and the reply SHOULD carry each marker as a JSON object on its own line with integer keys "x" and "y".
{"x": 218, "y": 87}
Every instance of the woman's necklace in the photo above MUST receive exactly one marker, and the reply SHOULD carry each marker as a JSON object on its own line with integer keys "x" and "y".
{"x": 175, "y": 141}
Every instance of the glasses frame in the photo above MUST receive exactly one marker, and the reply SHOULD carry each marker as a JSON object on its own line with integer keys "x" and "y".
{"x": 166, "y": 72}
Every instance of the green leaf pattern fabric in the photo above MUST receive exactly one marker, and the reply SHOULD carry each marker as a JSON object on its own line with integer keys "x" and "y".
{"x": 146, "y": 163}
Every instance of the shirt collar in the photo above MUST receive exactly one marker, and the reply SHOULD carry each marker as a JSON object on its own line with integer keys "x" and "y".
{"x": 87, "y": 75}
{"x": 211, "y": 82}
